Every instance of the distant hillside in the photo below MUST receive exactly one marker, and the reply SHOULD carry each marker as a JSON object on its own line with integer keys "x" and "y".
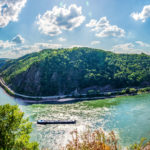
{"x": 3, "y": 61}
{"x": 62, "y": 71}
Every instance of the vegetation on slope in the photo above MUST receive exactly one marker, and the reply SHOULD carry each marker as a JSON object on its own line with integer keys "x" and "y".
{"x": 64, "y": 71}
{"x": 15, "y": 130}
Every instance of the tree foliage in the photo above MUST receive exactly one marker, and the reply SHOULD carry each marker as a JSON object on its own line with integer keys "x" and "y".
{"x": 15, "y": 130}
{"x": 61, "y": 71}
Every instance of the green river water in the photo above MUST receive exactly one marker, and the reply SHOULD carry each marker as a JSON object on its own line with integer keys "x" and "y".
{"x": 128, "y": 116}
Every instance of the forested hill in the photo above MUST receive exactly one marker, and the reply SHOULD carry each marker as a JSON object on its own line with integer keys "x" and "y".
{"x": 3, "y": 61}
{"x": 62, "y": 71}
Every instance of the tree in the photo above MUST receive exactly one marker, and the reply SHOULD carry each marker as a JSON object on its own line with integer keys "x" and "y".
{"x": 15, "y": 129}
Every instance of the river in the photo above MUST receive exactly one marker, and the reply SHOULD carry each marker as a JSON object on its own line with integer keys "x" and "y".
{"x": 128, "y": 116}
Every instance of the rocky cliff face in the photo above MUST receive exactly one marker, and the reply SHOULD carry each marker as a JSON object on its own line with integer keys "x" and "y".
{"x": 27, "y": 82}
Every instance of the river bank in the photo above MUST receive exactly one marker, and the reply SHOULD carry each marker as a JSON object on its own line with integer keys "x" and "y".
{"x": 64, "y": 99}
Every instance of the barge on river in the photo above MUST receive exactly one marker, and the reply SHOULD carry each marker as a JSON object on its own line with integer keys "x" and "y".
{"x": 44, "y": 122}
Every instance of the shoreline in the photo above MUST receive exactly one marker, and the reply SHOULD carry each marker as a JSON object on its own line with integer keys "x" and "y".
{"x": 53, "y": 101}
{"x": 66, "y": 99}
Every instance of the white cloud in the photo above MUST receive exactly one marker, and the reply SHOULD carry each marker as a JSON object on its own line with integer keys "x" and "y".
{"x": 41, "y": 46}
{"x": 72, "y": 46}
{"x": 104, "y": 29}
{"x": 25, "y": 49}
{"x": 95, "y": 42}
{"x": 11, "y": 50}
{"x": 124, "y": 48}
{"x": 61, "y": 39}
{"x": 10, "y": 10}
{"x": 53, "y": 22}
{"x": 143, "y": 15}
{"x": 132, "y": 48}
{"x": 18, "y": 39}
{"x": 142, "y": 44}
{"x": 6, "y": 44}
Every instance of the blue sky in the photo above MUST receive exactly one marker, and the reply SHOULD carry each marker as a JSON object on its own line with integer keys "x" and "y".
{"x": 31, "y": 25}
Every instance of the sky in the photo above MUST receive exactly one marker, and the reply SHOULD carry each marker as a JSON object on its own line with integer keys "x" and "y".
{"x": 121, "y": 26}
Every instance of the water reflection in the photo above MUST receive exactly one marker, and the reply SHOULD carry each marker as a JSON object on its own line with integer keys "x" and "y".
{"x": 127, "y": 116}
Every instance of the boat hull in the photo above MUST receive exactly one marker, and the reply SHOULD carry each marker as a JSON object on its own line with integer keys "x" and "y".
{"x": 44, "y": 122}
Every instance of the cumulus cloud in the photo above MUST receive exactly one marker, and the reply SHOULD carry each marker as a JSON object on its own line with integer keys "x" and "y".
{"x": 18, "y": 39}
{"x": 11, "y": 50}
{"x": 72, "y": 46}
{"x": 142, "y": 44}
{"x": 25, "y": 49}
{"x": 41, "y": 46}
{"x": 53, "y": 22}
{"x": 61, "y": 39}
{"x": 143, "y": 15}
{"x": 6, "y": 44}
{"x": 104, "y": 29}
{"x": 123, "y": 47}
{"x": 10, "y": 10}
{"x": 95, "y": 42}
{"x": 136, "y": 47}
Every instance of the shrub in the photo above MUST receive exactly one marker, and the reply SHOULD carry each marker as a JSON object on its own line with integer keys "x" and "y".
{"x": 96, "y": 140}
{"x": 123, "y": 91}
{"x": 132, "y": 90}
{"x": 128, "y": 91}
{"x": 147, "y": 89}
{"x": 90, "y": 92}
{"x": 142, "y": 145}
{"x": 143, "y": 90}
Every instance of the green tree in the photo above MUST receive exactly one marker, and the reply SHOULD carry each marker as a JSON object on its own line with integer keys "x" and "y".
{"x": 15, "y": 130}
